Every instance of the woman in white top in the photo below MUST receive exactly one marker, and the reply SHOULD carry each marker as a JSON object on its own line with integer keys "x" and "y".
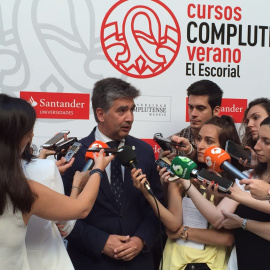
{"x": 44, "y": 244}
{"x": 21, "y": 198}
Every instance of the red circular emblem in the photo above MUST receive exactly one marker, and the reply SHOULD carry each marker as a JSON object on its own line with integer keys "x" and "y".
{"x": 141, "y": 40}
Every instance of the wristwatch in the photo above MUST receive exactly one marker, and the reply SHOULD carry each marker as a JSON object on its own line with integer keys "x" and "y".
{"x": 268, "y": 195}
{"x": 184, "y": 234}
{"x": 244, "y": 224}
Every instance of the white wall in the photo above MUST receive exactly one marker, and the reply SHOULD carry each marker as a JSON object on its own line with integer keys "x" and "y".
{"x": 54, "y": 46}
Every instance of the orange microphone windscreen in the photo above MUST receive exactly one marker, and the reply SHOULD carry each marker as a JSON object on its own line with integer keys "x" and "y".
{"x": 214, "y": 157}
{"x": 98, "y": 144}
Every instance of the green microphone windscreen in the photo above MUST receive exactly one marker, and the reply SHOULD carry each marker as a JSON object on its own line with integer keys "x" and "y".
{"x": 182, "y": 166}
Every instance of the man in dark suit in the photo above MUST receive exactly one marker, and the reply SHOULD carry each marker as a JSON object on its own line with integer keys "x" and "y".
{"x": 121, "y": 228}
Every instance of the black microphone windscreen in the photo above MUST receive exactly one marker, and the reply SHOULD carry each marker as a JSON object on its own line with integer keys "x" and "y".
{"x": 128, "y": 158}
{"x": 126, "y": 155}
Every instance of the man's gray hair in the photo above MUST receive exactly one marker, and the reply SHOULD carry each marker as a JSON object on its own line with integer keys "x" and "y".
{"x": 107, "y": 90}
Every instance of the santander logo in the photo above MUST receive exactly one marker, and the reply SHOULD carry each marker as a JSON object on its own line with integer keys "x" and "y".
{"x": 32, "y": 102}
{"x": 141, "y": 40}
{"x": 58, "y": 105}
{"x": 233, "y": 107}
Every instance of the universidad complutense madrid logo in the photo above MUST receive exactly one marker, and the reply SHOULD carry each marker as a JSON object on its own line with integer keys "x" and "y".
{"x": 140, "y": 38}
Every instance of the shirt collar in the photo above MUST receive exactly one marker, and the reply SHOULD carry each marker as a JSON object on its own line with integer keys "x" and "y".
{"x": 101, "y": 137}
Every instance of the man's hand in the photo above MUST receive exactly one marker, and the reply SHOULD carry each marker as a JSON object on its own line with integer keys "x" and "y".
{"x": 129, "y": 250}
{"x": 113, "y": 242}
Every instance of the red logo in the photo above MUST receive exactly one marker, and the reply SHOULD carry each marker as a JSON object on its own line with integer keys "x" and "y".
{"x": 229, "y": 106}
{"x": 155, "y": 146}
{"x": 234, "y": 108}
{"x": 58, "y": 105}
{"x": 140, "y": 41}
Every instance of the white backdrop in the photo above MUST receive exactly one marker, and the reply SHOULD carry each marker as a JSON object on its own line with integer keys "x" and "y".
{"x": 50, "y": 46}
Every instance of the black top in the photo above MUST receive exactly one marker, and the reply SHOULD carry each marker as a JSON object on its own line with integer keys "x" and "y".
{"x": 252, "y": 250}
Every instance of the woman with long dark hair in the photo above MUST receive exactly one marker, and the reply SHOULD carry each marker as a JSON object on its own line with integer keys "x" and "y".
{"x": 19, "y": 197}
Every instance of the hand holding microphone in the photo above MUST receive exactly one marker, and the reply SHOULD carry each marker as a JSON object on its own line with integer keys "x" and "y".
{"x": 126, "y": 156}
{"x": 102, "y": 160}
{"x": 93, "y": 161}
{"x": 128, "y": 159}
{"x": 138, "y": 180}
{"x": 89, "y": 156}
{"x": 183, "y": 167}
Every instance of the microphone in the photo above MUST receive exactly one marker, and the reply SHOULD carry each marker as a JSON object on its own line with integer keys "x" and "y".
{"x": 128, "y": 159}
{"x": 185, "y": 168}
{"x": 219, "y": 160}
{"x": 89, "y": 156}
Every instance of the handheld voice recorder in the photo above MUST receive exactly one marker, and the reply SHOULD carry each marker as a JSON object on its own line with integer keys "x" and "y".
{"x": 164, "y": 162}
{"x": 72, "y": 151}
